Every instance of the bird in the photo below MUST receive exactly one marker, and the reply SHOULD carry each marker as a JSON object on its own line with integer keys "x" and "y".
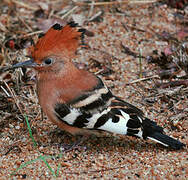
{"x": 78, "y": 101}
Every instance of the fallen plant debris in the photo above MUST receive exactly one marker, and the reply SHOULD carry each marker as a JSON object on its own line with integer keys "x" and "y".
{"x": 172, "y": 62}
{"x": 179, "y": 4}
{"x": 173, "y": 84}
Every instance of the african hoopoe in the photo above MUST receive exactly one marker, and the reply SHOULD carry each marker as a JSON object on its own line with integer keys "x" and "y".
{"x": 77, "y": 100}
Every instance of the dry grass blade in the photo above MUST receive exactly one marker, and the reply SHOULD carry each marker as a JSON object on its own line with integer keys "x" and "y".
{"x": 173, "y": 84}
{"x": 69, "y": 12}
{"x": 24, "y": 23}
{"x": 14, "y": 97}
{"x": 6, "y": 68}
{"x": 143, "y": 79}
{"x": 32, "y": 33}
{"x": 113, "y": 3}
{"x": 5, "y": 91}
{"x": 24, "y": 5}
{"x": 2, "y": 27}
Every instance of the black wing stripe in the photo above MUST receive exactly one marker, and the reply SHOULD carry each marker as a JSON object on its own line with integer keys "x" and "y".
{"x": 98, "y": 103}
{"x": 133, "y": 123}
{"x": 101, "y": 121}
{"x": 81, "y": 120}
{"x": 126, "y": 104}
{"x": 116, "y": 111}
{"x": 80, "y": 98}
{"x": 62, "y": 110}
{"x": 115, "y": 119}
{"x": 129, "y": 111}
{"x": 132, "y": 131}
{"x": 86, "y": 94}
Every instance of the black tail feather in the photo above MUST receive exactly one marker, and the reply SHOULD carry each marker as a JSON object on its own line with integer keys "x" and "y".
{"x": 166, "y": 140}
{"x": 149, "y": 127}
{"x": 154, "y": 132}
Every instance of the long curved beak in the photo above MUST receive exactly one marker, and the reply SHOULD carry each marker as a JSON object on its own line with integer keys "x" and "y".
{"x": 29, "y": 63}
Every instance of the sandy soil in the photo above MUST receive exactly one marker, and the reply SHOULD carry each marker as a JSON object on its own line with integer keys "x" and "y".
{"x": 136, "y": 26}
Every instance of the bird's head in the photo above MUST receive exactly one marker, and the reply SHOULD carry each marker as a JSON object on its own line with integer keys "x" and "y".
{"x": 54, "y": 48}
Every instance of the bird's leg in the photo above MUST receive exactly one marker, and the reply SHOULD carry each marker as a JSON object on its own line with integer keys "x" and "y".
{"x": 74, "y": 145}
{"x": 66, "y": 147}
{"x": 80, "y": 138}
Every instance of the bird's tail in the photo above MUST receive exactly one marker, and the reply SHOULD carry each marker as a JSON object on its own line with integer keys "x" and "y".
{"x": 154, "y": 132}
{"x": 166, "y": 140}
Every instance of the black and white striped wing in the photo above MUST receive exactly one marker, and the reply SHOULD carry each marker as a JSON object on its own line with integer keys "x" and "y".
{"x": 98, "y": 109}
{"x": 103, "y": 111}
{"x": 85, "y": 111}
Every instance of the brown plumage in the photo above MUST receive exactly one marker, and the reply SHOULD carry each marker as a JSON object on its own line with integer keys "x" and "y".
{"x": 78, "y": 101}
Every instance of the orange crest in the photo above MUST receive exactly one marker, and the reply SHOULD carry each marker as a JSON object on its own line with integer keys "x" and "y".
{"x": 58, "y": 40}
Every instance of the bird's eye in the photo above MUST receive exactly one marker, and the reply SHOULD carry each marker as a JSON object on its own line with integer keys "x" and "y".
{"x": 48, "y": 61}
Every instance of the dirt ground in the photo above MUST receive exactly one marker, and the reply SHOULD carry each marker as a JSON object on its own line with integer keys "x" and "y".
{"x": 120, "y": 39}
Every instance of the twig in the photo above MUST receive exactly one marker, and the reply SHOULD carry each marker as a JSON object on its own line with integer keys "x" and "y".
{"x": 99, "y": 170}
{"x": 69, "y": 12}
{"x": 2, "y": 27}
{"x": 143, "y": 79}
{"x": 127, "y": 51}
{"x": 173, "y": 84}
{"x": 24, "y": 5}
{"x": 14, "y": 97}
{"x": 5, "y": 91}
{"x": 98, "y": 72}
{"x": 32, "y": 33}
{"x": 133, "y": 28}
{"x": 95, "y": 16}
{"x": 51, "y": 14}
{"x": 113, "y": 3}
{"x": 140, "y": 64}
{"x": 91, "y": 9}
{"x": 6, "y": 68}
{"x": 24, "y": 23}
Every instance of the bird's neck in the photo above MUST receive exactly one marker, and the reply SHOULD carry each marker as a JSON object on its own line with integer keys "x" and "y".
{"x": 66, "y": 83}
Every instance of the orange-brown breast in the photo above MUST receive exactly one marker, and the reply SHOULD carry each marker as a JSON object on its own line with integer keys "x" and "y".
{"x": 64, "y": 86}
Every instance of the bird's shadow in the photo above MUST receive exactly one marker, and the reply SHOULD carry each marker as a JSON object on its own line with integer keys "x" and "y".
{"x": 107, "y": 141}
